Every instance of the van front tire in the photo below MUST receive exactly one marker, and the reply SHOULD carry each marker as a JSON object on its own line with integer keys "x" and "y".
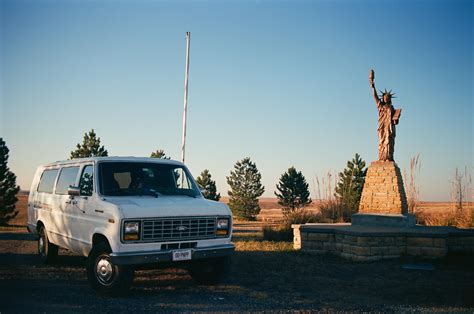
{"x": 105, "y": 277}
{"x": 46, "y": 250}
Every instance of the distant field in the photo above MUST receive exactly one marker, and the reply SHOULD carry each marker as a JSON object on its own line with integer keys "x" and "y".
{"x": 271, "y": 211}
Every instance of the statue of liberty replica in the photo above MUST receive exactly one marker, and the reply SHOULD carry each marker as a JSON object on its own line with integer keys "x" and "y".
{"x": 383, "y": 192}
{"x": 388, "y": 119}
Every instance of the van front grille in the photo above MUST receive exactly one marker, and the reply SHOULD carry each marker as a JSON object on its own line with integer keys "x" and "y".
{"x": 160, "y": 230}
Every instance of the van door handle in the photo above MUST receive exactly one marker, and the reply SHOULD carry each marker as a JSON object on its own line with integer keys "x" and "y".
{"x": 68, "y": 202}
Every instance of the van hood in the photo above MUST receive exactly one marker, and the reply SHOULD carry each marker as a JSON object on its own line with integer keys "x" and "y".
{"x": 167, "y": 206}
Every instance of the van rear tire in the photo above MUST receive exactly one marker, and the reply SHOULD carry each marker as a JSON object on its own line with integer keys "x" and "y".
{"x": 104, "y": 276}
{"x": 46, "y": 250}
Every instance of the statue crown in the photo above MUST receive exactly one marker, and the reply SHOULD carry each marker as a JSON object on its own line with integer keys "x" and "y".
{"x": 389, "y": 93}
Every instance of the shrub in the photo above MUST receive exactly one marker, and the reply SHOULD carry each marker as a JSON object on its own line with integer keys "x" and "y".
{"x": 349, "y": 188}
{"x": 293, "y": 191}
{"x": 278, "y": 234}
{"x": 90, "y": 147}
{"x": 159, "y": 153}
{"x": 334, "y": 210}
{"x": 285, "y": 232}
{"x": 331, "y": 207}
{"x": 210, "y": 190}
{"x": 8, "y": 187}
{"x": 246, "y": 188}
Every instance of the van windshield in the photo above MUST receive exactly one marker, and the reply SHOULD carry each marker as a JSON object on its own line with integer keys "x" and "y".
{"x": 136, "y": 178}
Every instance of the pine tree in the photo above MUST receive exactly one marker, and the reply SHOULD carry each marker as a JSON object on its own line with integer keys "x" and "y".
{"x": 8, "y": 187}
{"x": 90, "y": 147}
{"x": 246, "y": 187}
{"x": 159, "y": 153}
{"x": 294, "y": 192}
{"x": 350, "y": 185}
{"x": 209, "y": 186}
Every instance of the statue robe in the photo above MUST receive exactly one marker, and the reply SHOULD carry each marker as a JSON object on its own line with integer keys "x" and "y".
{"x": 386, "y": 131}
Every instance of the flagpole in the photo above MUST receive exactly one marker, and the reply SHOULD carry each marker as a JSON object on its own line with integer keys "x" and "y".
{"x": 183, "y": 143}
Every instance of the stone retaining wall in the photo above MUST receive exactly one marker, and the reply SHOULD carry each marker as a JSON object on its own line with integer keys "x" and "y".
{"x": 371, "y": 245}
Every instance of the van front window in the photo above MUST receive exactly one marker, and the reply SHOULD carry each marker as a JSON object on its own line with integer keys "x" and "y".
{"x": 134, "y": 178}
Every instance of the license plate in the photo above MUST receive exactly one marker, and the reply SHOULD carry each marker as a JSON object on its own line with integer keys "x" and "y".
{"x": 182, "y": 255}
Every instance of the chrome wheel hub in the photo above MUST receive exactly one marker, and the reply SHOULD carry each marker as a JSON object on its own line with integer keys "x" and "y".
{"x": 104, "y": 270}
{"x": 41, "y": 245}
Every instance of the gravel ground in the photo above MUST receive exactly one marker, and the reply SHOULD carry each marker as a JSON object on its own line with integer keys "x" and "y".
{"x": 261, "y": 280}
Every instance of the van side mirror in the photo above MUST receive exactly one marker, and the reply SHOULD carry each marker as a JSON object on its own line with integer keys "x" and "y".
{"x": 73, "y": 191}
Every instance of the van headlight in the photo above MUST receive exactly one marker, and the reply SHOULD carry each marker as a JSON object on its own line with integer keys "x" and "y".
{"x": 131, "y": 231}
{"x": 222, "y": 226}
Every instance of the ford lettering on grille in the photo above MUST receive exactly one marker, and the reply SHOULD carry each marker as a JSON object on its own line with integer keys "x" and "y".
{"x": 169, "y": 229}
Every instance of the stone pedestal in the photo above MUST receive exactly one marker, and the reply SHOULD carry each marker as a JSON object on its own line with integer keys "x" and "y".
{"x": 383, "y": 191}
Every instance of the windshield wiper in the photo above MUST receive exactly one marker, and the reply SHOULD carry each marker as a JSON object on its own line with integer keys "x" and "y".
{"x": 149, "y": 192}
{"x": 154, "y": 193}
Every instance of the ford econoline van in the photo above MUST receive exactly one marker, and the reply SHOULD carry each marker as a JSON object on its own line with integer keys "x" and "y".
{"x": 122, "y": 212}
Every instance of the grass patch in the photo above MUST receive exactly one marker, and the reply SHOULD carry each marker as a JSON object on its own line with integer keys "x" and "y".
{"x": 263, "y": 246}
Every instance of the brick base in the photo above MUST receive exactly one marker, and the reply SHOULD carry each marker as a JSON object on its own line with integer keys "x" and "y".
{"x": 383, "y": 191}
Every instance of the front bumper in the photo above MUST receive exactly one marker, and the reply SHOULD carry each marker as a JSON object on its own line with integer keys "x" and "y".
{"x": 140, "y": 258}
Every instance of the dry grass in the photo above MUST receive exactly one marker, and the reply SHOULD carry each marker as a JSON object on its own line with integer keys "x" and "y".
{"x": 263, "y": 246}
{"x": 461, "y": 218}
{"x": 411, "y": 184}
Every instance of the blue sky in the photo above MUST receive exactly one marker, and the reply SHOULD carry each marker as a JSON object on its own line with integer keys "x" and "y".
{"x": 283, "y": 82}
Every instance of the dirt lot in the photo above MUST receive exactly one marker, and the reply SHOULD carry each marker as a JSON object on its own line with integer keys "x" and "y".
{"x": 265, "y": 276}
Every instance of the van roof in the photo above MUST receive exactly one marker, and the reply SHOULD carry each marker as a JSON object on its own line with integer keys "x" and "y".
{"x": 113, "y": 158}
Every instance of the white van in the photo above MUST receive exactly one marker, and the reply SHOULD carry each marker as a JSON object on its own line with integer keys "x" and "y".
{"x": 121, "y": 212}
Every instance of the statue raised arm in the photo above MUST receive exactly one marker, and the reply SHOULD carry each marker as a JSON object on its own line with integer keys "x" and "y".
{"x": 372, "y": 84}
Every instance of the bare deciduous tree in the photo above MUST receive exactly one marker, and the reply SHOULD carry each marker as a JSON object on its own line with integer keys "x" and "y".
{"x": 460, "y": 188}
{"x": 459, "y": 191}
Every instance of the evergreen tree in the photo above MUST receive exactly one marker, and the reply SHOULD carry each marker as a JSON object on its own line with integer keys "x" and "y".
{"x": 159, "y": 153}
{"x": 90, "y": 147}
{"x": 8, "y": 187}
{"x": 209, "y": 186}
{"x": 294, "y": 192}
{"x": 246, "y": 187}
{"x": 349, "y": 187}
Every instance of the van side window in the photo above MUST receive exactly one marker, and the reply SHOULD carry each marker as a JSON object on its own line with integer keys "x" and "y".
{"x": 47, "y": 181}
{"x": 86, "y": 185}
{"x": 67, "y": 177}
